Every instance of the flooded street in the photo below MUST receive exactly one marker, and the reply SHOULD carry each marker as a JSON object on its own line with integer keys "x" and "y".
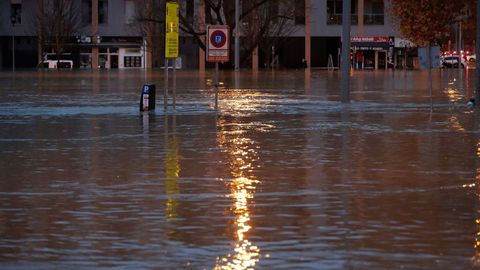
{"x": 281, "y": 176}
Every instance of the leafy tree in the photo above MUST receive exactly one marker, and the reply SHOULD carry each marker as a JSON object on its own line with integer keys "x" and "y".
{"x": 426, "y": 22}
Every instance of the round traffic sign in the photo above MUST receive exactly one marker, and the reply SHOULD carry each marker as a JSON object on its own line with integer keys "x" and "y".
{"x": 218, "y": 39}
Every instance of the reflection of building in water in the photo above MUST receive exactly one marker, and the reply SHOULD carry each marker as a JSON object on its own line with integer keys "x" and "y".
{"x": 243, "y": 154}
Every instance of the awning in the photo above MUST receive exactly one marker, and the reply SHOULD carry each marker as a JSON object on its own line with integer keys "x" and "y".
{"x": 369, "y": 46}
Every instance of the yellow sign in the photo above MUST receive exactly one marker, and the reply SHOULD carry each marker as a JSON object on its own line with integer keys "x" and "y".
{"x": 171, "y": 30}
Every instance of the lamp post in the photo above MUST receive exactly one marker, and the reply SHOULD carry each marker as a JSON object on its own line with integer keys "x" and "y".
{"x": 13, "y": 20}
{"x": 237, "y": 32}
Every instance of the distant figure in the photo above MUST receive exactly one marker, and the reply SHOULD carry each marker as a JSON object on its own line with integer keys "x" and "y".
{"x": 304, "y": 63}
{"x": 471, "y": 103}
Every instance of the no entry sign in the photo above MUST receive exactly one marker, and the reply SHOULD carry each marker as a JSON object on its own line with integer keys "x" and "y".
{"x": 218, "y": 43}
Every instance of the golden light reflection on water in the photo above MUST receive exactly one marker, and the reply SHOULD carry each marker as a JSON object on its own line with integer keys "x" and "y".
{"x": 243, "y": 155}
{"x": 476, "y": 245}
{"x": 172, "y": 172}
{"x": 455, "y": 123}
{"x": 452, "y": 91}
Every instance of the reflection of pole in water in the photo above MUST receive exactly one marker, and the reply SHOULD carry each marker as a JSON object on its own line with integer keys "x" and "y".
{"x": 172, "y": 171}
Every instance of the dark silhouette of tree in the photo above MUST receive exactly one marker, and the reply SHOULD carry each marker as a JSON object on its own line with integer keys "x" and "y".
{"x": 263, "y": 23}
{"x": 151, "y": 24}
{"x": 59, "y": 24}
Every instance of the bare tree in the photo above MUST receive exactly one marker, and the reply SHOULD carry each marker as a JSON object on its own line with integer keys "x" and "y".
{"x": 59, "y": 24}
{"x": 151, "y": 24}
{"x": 264, "y": 23}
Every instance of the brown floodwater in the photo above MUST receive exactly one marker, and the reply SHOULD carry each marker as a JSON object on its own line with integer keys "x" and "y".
{"x": 280, "y": 176}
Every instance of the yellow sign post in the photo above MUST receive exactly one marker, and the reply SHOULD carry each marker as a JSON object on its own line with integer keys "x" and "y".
{"x": 171, "y": 30}
{"x": 171, "y": 47}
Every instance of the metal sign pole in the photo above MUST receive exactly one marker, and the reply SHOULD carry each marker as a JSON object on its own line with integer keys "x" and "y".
{"x": 165, "y": 93}
{"x": 216, "y": 85}
{"x": 174, "y": 82}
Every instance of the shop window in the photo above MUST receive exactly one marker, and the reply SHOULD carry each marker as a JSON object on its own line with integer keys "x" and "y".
{"x": 132, "y": 61}
{"x": 16, "y": 13}
{"x": 300, "y": 12}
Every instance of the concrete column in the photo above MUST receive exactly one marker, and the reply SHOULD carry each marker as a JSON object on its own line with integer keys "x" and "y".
{"x": 360, "y": 14}
{"x": 386, "y": 59}
{"x": 94, "y": 34}
{"x": 201, "y": 28}
{"x": 255, "y": 59}
{"x": 308, "y": 32}
{"x": 255, "y": 51}
{"x": 376, "y": 60}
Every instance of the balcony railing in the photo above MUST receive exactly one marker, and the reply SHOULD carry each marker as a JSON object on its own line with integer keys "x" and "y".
{"x": 368, "y": 19}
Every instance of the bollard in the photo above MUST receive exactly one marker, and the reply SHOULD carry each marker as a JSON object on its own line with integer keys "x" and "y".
{"x": 147, "y": 98}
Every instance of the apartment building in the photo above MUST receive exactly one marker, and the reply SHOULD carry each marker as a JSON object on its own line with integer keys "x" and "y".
{"x": 108, "y": 35}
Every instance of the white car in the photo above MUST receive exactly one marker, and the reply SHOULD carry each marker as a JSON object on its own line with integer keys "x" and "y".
{"x": 471, "y": 58}
{"x": 452, "y": 61}
{"x": 61, "y": 64}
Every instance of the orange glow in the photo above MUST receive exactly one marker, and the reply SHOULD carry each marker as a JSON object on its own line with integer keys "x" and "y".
{"x": 243, "y": 156}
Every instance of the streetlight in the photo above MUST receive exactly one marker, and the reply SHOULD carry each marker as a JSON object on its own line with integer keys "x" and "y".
{"x": 13, "y": 20}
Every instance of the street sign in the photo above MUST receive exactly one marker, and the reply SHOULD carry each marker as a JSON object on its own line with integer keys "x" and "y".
{"x": 171, "y": 30}
{"x": 218, "y": 43}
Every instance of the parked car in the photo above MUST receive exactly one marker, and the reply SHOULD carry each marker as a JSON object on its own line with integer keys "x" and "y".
{"x": 57, "y": 64}
{"x": 471, "y": 58}
{"x": 452, "y": 61}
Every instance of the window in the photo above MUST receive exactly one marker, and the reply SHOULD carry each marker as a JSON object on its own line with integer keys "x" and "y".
{"x": 374, "y": 13}
{"x": 190, "y": 11}
{"x": 300, "y": 12}
{"x": 335, "y": 11}
{"x": 16, "y": 13}
{"x": 86, "y": 12}
{"x": 130, "y": 11}
{"x": 273, "y": 11}
{"x": 102, "y": 11}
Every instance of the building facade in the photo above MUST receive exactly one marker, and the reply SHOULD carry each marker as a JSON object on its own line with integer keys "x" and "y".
{"x": 108, "y": 35}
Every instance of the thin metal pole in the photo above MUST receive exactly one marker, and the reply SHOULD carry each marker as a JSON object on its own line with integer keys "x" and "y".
{"x": 477, "y": 51}
{"x": 430, "y": 80}
{"x": 174, "y": 82}
{"x": 345, "y": 80}
{"x": 237, "y": 33}
{"x": 216, "y": 85}
{"x": 13, "y": 51}
{"x": 165, "y": 93}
